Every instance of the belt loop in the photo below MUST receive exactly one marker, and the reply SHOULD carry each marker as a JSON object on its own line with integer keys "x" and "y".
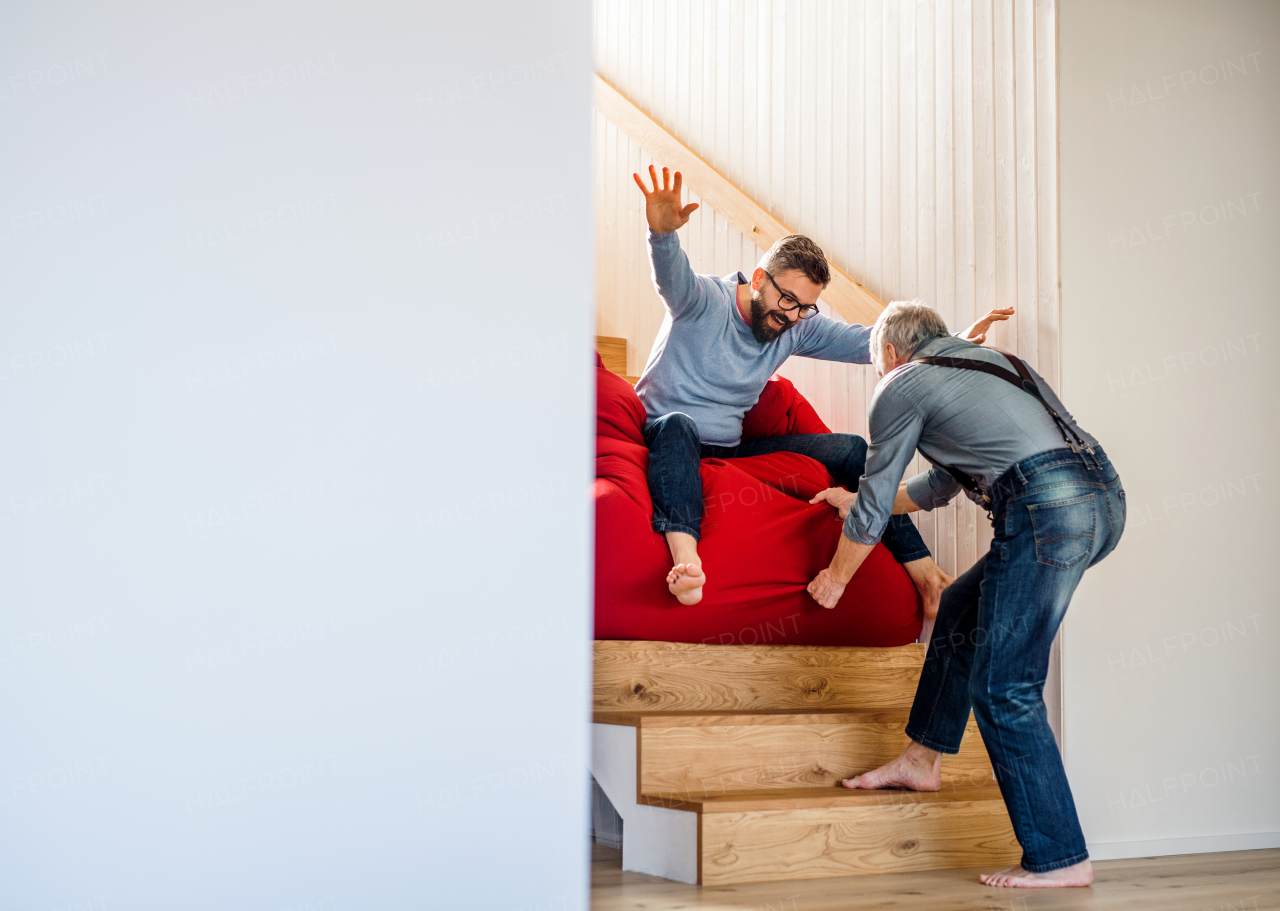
{"x": 1017, "y": 470}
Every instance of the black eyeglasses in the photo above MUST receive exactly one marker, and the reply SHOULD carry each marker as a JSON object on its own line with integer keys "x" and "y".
{"x": 806, "y": 310}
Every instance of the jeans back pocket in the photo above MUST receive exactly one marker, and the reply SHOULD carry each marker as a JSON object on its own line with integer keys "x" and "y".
{"x": 1064, "y": 530}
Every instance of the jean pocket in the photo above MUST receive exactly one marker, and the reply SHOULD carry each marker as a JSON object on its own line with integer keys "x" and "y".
{"x": 1064, "y": 530}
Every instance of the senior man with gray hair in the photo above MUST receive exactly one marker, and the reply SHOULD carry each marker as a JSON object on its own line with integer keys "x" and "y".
{"x": 992, "y": 427}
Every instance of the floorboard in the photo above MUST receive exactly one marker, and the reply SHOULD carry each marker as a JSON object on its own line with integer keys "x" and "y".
{"x": 1237, "y": 881}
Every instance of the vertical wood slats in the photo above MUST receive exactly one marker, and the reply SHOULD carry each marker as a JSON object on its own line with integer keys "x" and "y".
{"x": 915, "y": 140}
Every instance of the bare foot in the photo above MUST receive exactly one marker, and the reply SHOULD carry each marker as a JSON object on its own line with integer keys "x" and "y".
{"x": 930, "y": 582}
{"x": 1080, "y": 874}
{"x": 685, "y": 581}
{"x": 917, "y": 768}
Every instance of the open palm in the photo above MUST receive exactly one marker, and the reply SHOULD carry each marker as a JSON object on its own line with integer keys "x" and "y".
{"x": 662, "y": 203}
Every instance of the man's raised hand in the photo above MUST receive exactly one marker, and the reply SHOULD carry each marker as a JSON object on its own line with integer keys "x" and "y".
{"x": 977, "y": 333}
{"x": 662, "y": 204}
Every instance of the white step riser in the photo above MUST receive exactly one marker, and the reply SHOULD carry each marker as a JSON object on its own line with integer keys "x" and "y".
{"x": 655, "y": 841}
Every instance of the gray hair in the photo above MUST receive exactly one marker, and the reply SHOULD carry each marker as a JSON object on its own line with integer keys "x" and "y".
{"x": 906, "y": 325}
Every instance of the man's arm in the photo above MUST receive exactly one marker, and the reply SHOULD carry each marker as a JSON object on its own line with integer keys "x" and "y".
{"x": 895, "y": 428}
{"x": 682, "y": 291}
{"x": 930, "y": 489}
{"x": 827, "y": 339}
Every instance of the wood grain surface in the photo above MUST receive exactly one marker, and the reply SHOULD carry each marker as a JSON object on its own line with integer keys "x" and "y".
{"x": 757, "y": 846}
{"x": 1241, "y": 881}
{"x": 656, "y": 676}
{"x": 708, "y": 754}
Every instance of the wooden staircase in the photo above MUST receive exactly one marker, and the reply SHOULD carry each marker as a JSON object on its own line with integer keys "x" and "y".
{"x": 739, "y": 750}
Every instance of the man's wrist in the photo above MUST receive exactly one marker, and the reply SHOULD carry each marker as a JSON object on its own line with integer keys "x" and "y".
{"x": 842, "y": 567}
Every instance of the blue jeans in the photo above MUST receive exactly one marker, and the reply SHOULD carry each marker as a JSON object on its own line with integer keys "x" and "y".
{"x": 1055, "y": 515}
{"x": 675, "y": 482}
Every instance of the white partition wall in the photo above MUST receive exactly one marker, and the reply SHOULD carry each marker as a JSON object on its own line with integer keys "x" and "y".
{"x": 1171, "y": 333}
{"x": 295, "y": 392}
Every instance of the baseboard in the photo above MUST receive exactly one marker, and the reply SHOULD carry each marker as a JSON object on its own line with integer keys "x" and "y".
{"x": 1201, "y": 844}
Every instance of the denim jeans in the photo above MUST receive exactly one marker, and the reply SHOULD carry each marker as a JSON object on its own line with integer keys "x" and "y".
{"x": 675, "y": 482}
{"x": 1055, "y": 515}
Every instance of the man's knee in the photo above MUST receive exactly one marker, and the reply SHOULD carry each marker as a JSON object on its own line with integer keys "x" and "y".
{"x": 1007, "y": 702}
{"x": 677, "y": 424}
{"x": 852, "y": 446}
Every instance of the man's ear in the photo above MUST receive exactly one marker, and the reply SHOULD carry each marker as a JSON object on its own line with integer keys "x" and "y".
{"x": 890, "y": 354}
{"x": 756, "y": 278}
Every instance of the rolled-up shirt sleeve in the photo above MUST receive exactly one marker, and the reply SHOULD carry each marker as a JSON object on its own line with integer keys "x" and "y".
{"x": 895, "y": 428}
{"x": 932, "y": 489}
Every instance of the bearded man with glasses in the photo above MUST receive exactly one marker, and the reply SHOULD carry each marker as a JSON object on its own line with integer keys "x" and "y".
{"x": 721, "y": 341}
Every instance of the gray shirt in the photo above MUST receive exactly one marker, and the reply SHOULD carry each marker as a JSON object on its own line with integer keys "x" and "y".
{"x": 972, "y": 421}
{"x": 705, "y": 361}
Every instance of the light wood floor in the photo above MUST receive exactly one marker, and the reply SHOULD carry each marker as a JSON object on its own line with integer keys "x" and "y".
{"x": 1239, "y": 881}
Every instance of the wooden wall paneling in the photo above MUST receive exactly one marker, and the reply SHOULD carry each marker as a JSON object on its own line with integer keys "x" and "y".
{"x": 963, "y": 87}
{"x": 1025, "y": 236}
{"x": 791, "y": 115}
{"x": 873, "y": 73}
{"x": 701, "y": 177}
{"x": 984, "y": 186}
{"x": 1047, "y": 290}
{"x": 735, "y": 52}
{"x": 646, "y": 50}
{"x": 777, "y": 151}
{"x": 606, "y": 286}
{"x": 904, "y": 166}
{"x": 856, "y": 380}
{"x": 1005, "y": 158}
{"x": 943, "y": 232}
{"x": 636, "y": 267}
{"x": 905, "y": 163}
{"x": 683, "y": 127}
{"x": 925, "y": 220}
{"x": 890, "y": 156}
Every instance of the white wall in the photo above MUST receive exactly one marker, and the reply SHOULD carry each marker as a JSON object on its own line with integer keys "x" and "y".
{"x": 1169, "y": 128}
{"x": 296, "y": 401}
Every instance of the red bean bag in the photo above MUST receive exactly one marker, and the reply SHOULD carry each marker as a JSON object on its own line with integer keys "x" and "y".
{"x": 761, "y": 541}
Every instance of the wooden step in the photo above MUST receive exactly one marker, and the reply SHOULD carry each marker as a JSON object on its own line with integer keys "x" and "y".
{"x": 752, "y": 739}
{"x": 613, "y": 352}
{"x": 645, "y": 676}
{"x": 811, "y": 833}
{"x": 693, "y": 755}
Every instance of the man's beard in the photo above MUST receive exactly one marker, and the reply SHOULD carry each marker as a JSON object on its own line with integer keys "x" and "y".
{"x": 761, "y": 326}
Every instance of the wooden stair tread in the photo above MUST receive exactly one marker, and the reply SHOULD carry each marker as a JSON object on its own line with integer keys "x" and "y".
{"x": 823, "y": 798}
{"x": 693, "y": 718}
{"x": 644, "y": 676}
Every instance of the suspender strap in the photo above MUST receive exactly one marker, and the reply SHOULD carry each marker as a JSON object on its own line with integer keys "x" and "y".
{"x": 1024, "y": 381}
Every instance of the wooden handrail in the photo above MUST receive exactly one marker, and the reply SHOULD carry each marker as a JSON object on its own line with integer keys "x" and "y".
{"x": 852, "y": 301}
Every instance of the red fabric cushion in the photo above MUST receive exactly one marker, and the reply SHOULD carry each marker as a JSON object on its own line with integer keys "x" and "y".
{"x": 761, "y": 542}
{"x": 781, "y": 410}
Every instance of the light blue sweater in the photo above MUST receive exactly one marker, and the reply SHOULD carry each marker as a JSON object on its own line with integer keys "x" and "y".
{"x": 705, "y": 361}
